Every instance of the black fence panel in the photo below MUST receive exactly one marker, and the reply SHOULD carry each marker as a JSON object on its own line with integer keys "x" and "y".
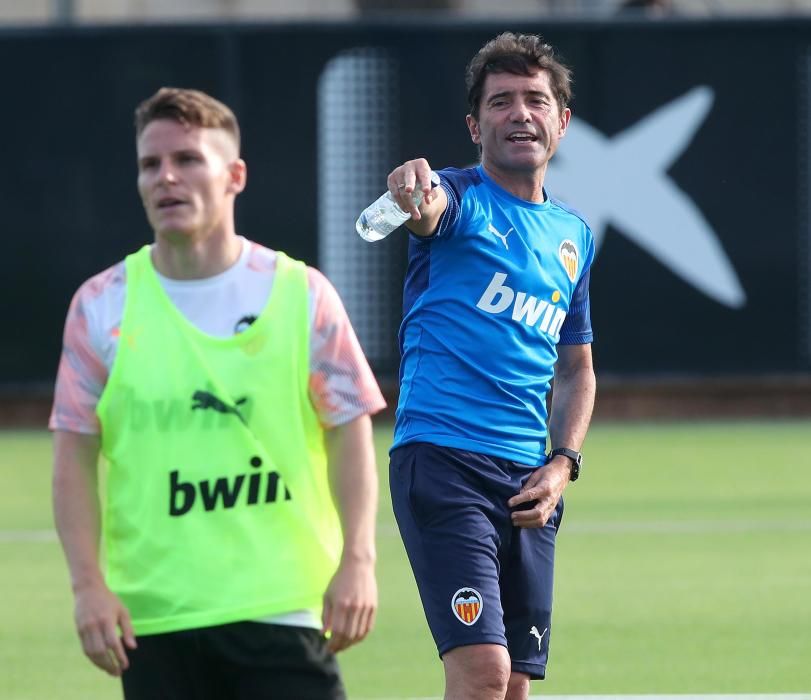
{"x": 688, "y": 154}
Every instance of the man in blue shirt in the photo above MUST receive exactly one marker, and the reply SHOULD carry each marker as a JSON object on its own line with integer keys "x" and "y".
{"x": 496, "y": 303}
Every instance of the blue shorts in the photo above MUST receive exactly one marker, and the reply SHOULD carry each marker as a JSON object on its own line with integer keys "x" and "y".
{"x": 481, "y": 580}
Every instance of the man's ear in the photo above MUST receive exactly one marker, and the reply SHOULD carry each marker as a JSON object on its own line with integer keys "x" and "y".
{"x": 565, "y": 118}
{"x": 473, "y": 127}
{"x": 238, "y": 172}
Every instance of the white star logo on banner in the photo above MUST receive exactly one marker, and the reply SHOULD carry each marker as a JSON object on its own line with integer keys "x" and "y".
{"x": 623, "y": 181}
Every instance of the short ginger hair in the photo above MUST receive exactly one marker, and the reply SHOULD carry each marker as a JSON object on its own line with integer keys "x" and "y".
{"x": 191, "y": 108}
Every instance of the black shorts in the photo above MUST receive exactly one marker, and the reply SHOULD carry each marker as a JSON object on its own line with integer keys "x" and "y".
{"x": 481, "y": 579}
{"x": 239, "y": 661}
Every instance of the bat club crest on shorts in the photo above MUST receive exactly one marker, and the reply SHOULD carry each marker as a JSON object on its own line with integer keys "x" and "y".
{"x": 467, "y": 604}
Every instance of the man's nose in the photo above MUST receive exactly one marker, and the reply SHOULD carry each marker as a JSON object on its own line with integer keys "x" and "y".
{"x": 166, "y": 173}
{"x": 520, "y": 112}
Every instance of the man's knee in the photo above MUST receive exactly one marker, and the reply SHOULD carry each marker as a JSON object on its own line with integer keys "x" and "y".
{"x": 478, "y": 671}
{"x": 518, "y": 686}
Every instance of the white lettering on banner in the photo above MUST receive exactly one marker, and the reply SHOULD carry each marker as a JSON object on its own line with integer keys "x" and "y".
{"x": 527, "y": 309}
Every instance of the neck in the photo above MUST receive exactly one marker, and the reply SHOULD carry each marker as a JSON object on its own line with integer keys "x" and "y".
{"x": 524, "y": 185}
{"x": 182, "y": 258}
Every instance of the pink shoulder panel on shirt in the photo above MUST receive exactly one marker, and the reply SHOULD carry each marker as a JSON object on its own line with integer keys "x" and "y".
{"x": 342, "y": 385}
{"x": 82, "y": 372}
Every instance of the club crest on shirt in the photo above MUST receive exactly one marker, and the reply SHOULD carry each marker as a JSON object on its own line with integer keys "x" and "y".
{"x": 569, "y": 258}
{"x": 467, "y": 604}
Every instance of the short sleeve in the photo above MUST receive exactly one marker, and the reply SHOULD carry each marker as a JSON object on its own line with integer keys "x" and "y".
{"x": 82, "y": 373}
{"x": 576, "y": 328}
{"x": 342, "y": 385}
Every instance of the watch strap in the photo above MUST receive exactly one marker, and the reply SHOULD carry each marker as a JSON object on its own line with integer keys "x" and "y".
{"x": 574, "y": 455}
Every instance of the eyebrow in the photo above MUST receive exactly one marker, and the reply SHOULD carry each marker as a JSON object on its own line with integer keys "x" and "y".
{"x": 508, "y": 93}
{"x": 174, "y": 154}
{"x": 147, "y": 159}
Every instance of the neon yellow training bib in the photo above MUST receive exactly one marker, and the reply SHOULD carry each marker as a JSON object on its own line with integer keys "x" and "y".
{"x": 217, "y": 505}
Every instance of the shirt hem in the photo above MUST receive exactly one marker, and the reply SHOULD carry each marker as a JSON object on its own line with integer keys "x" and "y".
{"x": 208, "y": 618}
{"x": 367, "y": 409}
{"x": 500, "y": 451}
{"x": 577, "y": 339}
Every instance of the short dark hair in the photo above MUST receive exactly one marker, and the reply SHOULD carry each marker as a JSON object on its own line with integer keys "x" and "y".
{"x": 188, "y": 107}
{"x": 520, "y": 54}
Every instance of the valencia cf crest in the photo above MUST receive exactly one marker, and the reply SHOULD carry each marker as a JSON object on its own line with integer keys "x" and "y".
{"x": 569, "y": 258}
{"x": 467, "y": 605}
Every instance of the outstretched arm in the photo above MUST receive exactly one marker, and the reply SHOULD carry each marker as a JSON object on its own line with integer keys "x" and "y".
{"x": 572, "y": 404}
{"x": 350, "y": 601}
{"x": 403, "y": 181}
{"x": 99, "y": 614}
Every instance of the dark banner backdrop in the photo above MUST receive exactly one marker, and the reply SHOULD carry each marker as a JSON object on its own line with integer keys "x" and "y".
{"x": 687, "y": 154}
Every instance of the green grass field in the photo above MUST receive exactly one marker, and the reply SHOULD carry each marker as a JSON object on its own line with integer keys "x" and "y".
{"x": 684, "y": 566}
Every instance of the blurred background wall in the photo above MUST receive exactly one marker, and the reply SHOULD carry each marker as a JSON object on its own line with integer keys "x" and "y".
{"x": 688, "y": 155}
{"x": 83, "y": 11}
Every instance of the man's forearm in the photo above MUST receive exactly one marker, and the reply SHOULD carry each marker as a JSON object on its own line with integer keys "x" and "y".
{"x": 353, "y": 479}
{"x": 76, "y": 504}
{"x": 572, "y": 405}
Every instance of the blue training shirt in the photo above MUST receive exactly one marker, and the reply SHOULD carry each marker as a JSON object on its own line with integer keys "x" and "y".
{"x": 487, "y": 299}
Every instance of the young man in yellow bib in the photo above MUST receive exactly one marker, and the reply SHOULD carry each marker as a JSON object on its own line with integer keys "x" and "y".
{"x": 228, "y": 551}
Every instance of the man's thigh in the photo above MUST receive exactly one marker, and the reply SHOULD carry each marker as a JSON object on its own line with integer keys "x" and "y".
{"x": 278, "y": 662}
{"x": 240, "y": 661}
{"x": 480, "y": 579}
{"x": 170, "y": 666}
{"x": 452, "y": 525}
{"x": 526, "y": 592}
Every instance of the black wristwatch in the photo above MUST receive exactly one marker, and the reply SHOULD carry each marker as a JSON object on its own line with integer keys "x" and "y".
{"x": 574, "y": 455}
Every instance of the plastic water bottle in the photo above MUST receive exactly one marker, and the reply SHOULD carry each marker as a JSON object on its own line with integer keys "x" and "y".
{"x": 384, "y": 215}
